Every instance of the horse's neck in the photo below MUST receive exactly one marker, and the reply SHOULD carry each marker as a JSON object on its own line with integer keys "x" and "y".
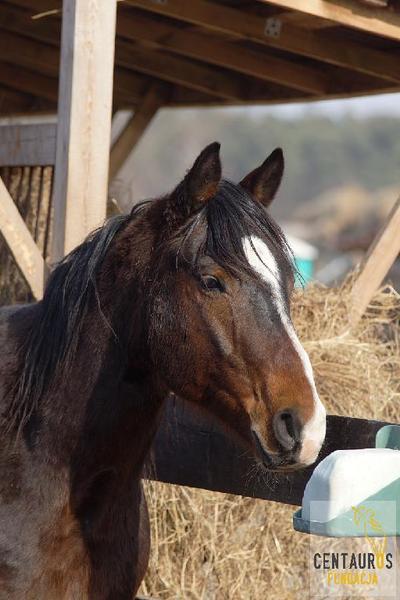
{"x": 116, "y": 431}
{"x": 94, "y": 418}
{"x": 115, "y": 446}
{"x": 103, "y": 411}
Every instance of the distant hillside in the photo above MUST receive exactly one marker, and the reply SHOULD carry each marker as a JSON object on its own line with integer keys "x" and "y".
{"x": 320, "y": 153}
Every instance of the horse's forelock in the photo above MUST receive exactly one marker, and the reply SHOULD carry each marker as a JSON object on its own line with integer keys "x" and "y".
{"x": 225, "y": 221}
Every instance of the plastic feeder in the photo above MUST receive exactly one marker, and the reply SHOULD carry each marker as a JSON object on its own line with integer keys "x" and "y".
{"x": 348, "y": 480}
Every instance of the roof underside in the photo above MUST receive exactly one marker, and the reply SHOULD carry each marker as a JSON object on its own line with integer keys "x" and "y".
{"x": 212, "y": 53}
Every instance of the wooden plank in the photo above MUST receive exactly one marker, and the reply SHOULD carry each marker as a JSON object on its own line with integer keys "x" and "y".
{"x": 380, "y": 257}
{"x": 134, "y": 129}
{"x": 26, "y": 81}
{"x": 21, "y": 244}
{"x": 377, "y": 21}
{"x": 20, "y": 21}
{"x": 15, "y": 103}
{"x": 180, "y": 71}
{"x": 188, "y": 43}
{"x": 31, "y": 56}
{"x": 130, "y": 86}
{"x": 236, "y": 58}
{"x": 43, "y": 58}
{"x": 84, "y": 120}
{"x": 36, "y": 7}
{"x": 193, "y": 449}
{"x": 28, "y": 53}
{"x": 245, "y": 25}
{"x": 207, "y": 49}
{"x": 305, "y": 21}
{"x": 27, "y": 145}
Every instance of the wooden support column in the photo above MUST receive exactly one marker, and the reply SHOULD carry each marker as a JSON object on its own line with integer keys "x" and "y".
{"x": 84, "y": 120}
{"x": 135, "y": 128}
{"x": 380, "y": 257}
{"x": 21, "y": 244}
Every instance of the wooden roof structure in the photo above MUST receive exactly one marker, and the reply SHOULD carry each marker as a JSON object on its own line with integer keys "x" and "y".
{"x": 85, "y": 60}
{"x": 206, "y": 52}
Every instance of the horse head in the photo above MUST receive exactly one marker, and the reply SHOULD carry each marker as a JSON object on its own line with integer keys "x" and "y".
{"x": 218, "y": 314}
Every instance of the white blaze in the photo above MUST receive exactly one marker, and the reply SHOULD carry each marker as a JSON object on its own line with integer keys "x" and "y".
{"x": 263, "y": 262}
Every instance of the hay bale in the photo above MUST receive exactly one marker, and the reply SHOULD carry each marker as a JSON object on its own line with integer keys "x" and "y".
{"x": 31, "y": 190}
{"x": 213, "y": 546}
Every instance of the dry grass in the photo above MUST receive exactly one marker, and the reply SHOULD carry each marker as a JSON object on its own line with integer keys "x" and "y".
{"x": 212, "y": 546}
{"x": 30, "y": 188}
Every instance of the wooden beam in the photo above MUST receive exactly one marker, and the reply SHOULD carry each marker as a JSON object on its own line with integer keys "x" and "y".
{"x": 28, "y": 145}
{"x": 27, "y": 53}
{"x": 181, "y": 71}
{"x": 135, "y": 129}
{"x": 21, "y": 244}
{"x": 136, "y": 26}
{"x": 379, "y": 258}
{"x": 303, "y": 20}
{"x": 40, "y": 6}
{"x": 44, "y": 58}
{"x": 192, "y": 449}
{"x": 15, "y": 103}
{"x": 20, "y": 21}
{"x": 245, "y": 25}
{"x": 349, "y": 13}
{"x": 236, "y": 59}
{"x": 130, "y": 86}
{"x": 29, "y": 82}
{"x": 84, "y": 120}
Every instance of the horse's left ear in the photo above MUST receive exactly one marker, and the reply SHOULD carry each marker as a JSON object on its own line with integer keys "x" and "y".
{"x": 263, "y": 182}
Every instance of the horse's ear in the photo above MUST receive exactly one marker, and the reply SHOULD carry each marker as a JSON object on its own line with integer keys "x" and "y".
{"x": 263, "y": 182}
{"x": 202, "y": 180}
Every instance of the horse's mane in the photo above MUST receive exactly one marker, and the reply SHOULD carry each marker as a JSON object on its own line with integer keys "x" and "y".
{"x": 229, "y": 217}
{"x": 53, "y": 338}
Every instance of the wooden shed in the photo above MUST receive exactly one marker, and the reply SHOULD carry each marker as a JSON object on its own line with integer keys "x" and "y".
{"x": 202, "y": 52}
{"x": 85, "y": 60}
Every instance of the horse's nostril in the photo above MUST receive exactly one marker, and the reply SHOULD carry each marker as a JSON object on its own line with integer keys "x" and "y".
{"x": 287, "y": 429}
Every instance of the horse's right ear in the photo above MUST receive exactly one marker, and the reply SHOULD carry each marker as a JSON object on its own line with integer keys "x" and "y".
{"x": 202, "y": 180}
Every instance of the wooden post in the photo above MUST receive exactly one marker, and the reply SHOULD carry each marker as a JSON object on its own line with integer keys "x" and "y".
{"x": 134, "y": 129}
{"x": 378, "y": 260}
{"x": 191, "y": 448}
{"x": 21, "y": 244}
{"x": 84, "y": 120}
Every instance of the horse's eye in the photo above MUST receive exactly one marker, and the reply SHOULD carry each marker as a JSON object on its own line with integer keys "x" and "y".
{"x": 211, "y": 283}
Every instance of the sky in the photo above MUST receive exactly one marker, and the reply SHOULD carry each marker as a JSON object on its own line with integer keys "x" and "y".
{"x": 368, "y": 106}
{"x": 382, "y": 105}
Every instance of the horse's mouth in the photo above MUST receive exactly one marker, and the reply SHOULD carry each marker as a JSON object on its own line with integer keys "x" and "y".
{"x": 275, "y": 462}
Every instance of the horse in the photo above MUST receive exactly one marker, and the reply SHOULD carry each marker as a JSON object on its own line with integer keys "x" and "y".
{"x": 188, "y": 294}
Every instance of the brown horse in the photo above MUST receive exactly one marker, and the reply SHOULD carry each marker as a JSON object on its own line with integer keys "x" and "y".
{"x": 188, "y": 294}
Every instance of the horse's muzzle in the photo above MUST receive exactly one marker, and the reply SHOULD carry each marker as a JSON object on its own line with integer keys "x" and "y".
{"x": 272, "y": 461}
